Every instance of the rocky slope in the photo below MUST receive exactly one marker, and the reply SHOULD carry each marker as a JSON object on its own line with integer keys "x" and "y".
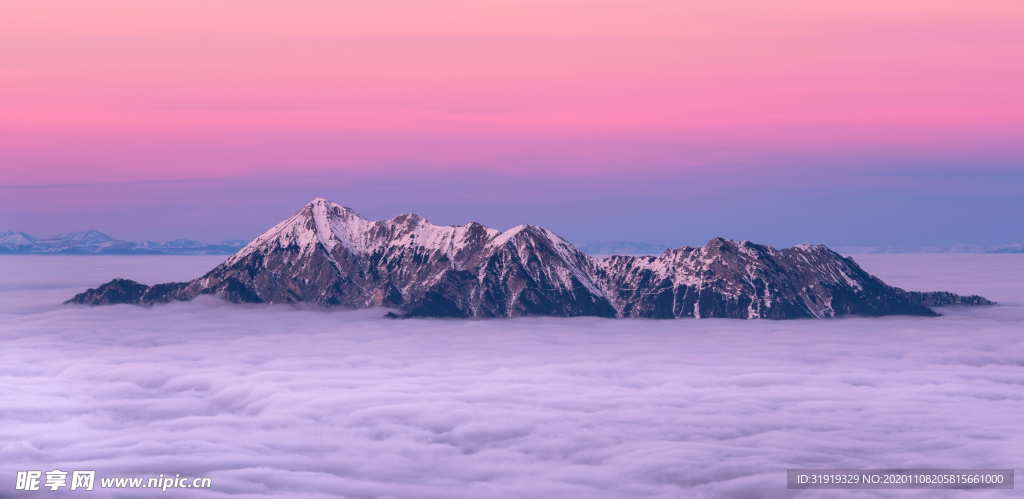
{"x": 328, "y": 255}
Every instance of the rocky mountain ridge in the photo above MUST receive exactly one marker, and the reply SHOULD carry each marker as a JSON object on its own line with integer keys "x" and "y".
{"x": 328, "y": 255}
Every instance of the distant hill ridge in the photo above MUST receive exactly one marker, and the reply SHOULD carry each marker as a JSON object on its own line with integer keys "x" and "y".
{"x": 94, "y": 242}
{"x": 645, "y": 248}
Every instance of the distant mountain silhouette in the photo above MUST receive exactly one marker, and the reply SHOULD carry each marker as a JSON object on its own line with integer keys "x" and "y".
{"x": 93, "y": 242}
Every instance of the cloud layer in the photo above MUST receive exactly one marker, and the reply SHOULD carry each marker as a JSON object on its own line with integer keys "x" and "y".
{"x": 283, "y": 402}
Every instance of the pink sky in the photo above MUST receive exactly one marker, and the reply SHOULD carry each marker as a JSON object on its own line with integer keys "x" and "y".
{"x": 116, "y": 90}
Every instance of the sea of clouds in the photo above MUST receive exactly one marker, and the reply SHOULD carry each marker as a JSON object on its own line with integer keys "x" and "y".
{"x": 275, "y": 401}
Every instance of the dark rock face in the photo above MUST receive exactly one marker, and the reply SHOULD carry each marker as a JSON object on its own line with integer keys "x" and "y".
{"x": 115, "y": 291}
{"x": 944, "y": 298}
{"x": 326, "y": 254}
{"x": 129, "y": 291}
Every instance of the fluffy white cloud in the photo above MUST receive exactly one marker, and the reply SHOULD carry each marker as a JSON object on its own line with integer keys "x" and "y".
{"x": 282, "y": 402}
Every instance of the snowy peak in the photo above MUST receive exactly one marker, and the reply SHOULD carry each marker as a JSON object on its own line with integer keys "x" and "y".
{"x": 537, "y": 242}
{"x": 333, "y": 226}
{"x": 414, "y": 231}
{"x": 319, "y": 222}
{"x": 409, "y": 220}
{"x": 323, "y": 210}
{"x": 530, "y": 234}
{"x": 519, "y": 231}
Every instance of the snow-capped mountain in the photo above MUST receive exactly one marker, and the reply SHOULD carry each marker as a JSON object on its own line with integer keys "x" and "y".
{"x": 328, "y": 255}
{"x": 93, "y": 242}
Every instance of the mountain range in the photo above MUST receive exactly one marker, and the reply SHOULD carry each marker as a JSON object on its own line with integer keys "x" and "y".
{"x": 328, "y": 255}
{"x": 93, "y": 242}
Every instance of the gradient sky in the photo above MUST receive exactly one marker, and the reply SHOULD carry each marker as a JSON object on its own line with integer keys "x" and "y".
{"x": 671, "y": 121}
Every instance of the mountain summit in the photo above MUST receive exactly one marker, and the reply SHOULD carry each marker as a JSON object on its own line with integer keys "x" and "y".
{"x": 329, "y": 255}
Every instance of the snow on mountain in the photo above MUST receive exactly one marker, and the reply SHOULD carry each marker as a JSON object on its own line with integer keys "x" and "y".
{"x": 409, "y": 262}
{"x": 331, "y": 225}
{"x": 327, "y": 254}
